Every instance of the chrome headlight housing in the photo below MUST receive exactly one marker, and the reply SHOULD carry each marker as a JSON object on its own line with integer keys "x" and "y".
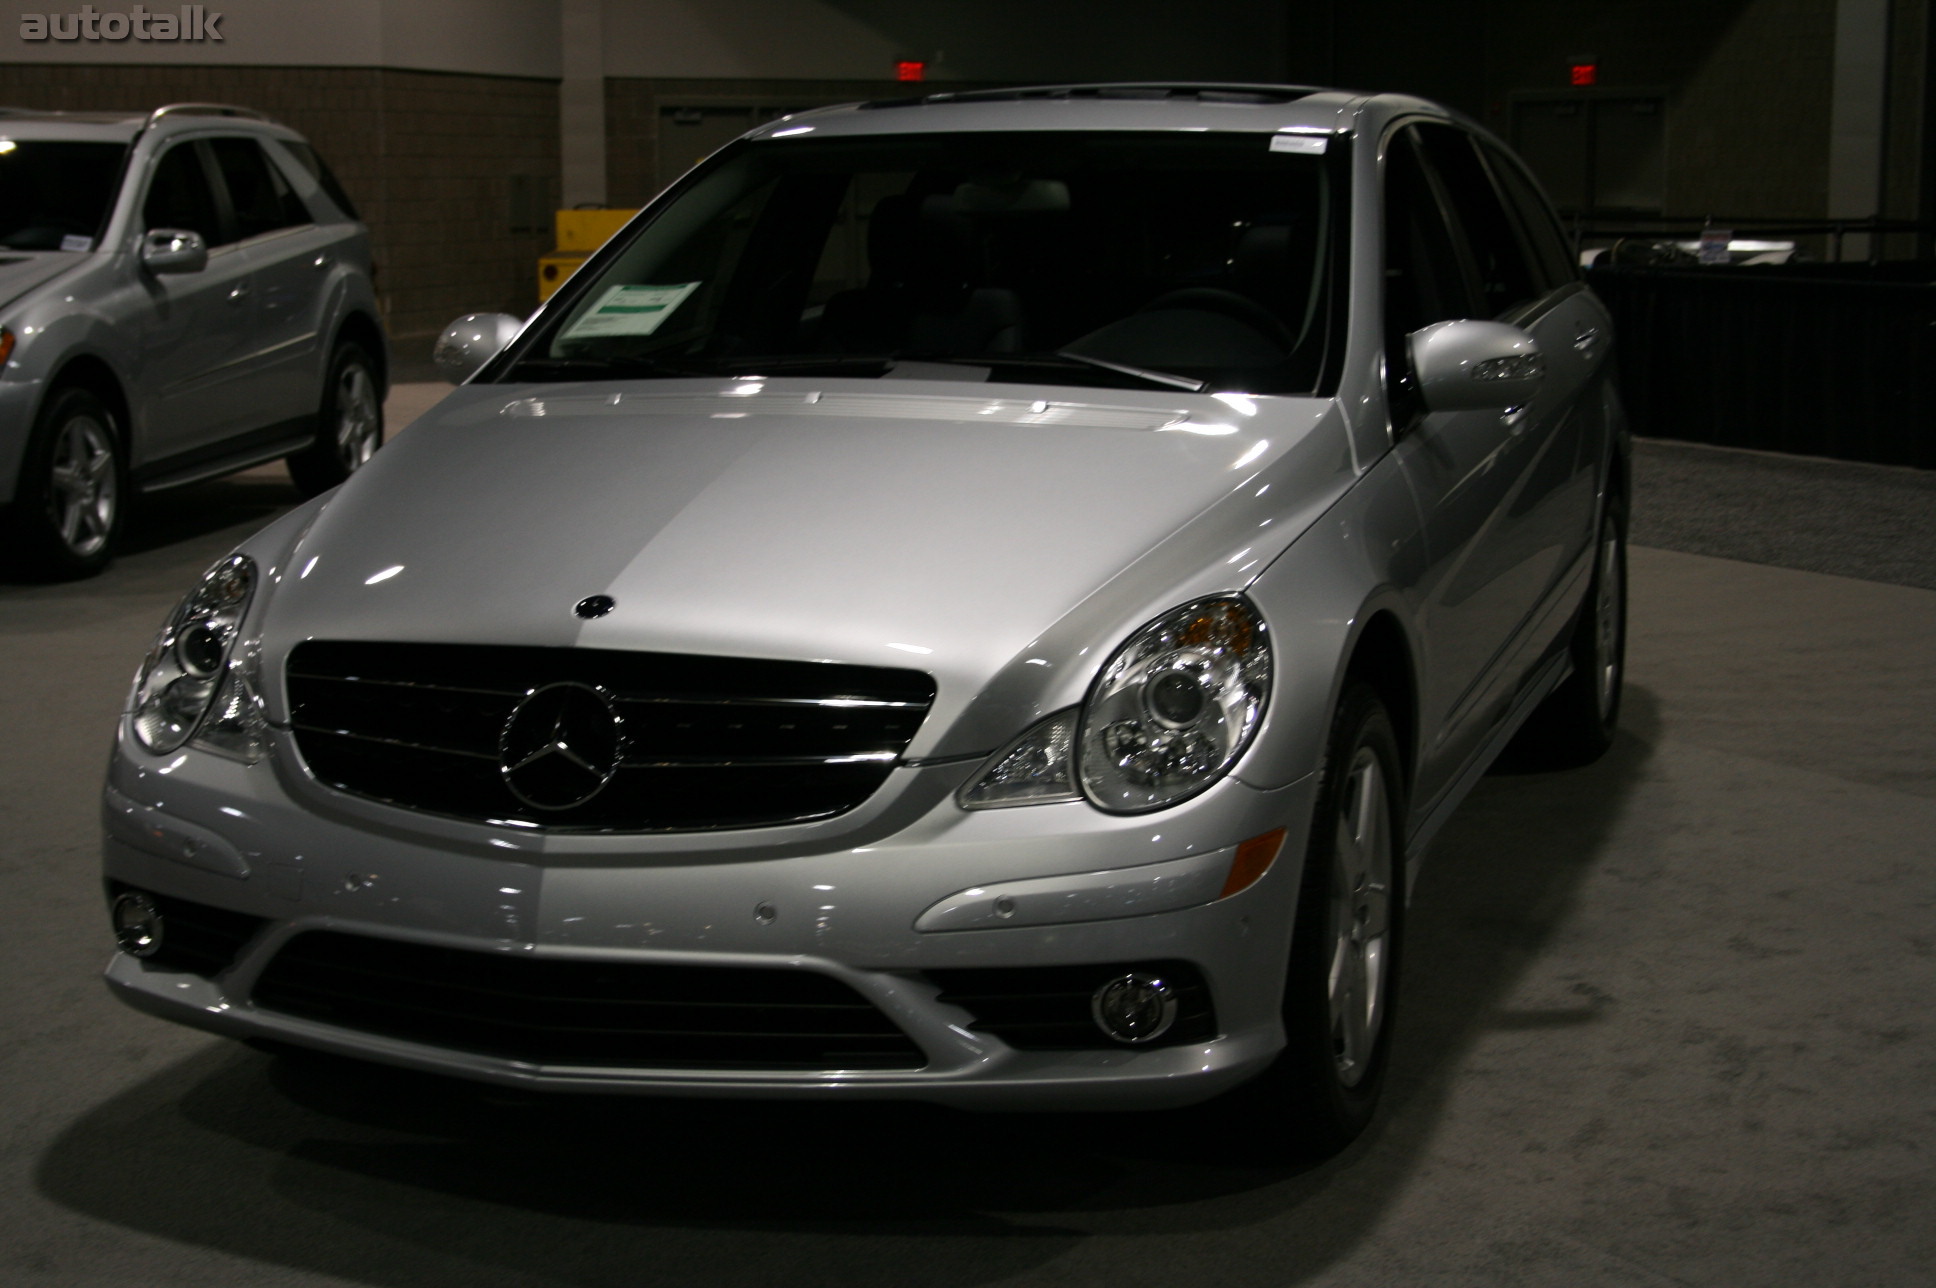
{"x": 191, "y": 668}
{"x": 1167, "y": 717}
{"x": 1175, "y": 706}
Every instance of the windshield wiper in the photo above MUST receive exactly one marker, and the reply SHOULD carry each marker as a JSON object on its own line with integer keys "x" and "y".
{"x": 813, "y": 363}
{"x": 1062, "y": 359}
{"x": 1140, "y": 373}
{"x": 581, "y": 368}
{"x": 833, "y": 364}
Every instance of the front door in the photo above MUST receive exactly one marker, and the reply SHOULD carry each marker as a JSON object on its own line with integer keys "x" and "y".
{"x": 196, "y": 330}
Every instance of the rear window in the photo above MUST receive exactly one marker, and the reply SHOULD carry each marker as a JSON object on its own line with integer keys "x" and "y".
{"x": 307, "y": 157}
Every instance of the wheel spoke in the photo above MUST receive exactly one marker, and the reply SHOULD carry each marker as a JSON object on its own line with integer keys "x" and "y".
{"x": 70, "y": 523}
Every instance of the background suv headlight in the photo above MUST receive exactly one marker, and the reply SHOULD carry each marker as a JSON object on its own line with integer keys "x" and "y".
{"x": 1167, "y": 717}
{"x": 188, "y": 667}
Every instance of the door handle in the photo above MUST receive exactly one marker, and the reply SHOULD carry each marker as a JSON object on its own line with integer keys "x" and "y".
{"x": 320, "y": 262}
{"x": 237, "y": 294}
{"x": 1586, "y": 339}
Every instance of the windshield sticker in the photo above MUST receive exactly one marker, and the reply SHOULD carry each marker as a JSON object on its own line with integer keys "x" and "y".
{"x": 630, "y": 310}
{"x": 1310, "y": 145}
{"x": 71, "y": 242}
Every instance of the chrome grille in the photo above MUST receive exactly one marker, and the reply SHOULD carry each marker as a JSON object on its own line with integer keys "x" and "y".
{"x": 694, "y": 743}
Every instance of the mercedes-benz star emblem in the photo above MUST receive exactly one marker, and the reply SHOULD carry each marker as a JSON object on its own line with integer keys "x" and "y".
{"x": 561, "y": 745}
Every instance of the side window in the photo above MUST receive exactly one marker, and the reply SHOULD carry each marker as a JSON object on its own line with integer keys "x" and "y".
{"x": 1506, "y": 278}
{"x": 179, "y": 196}
{"x": 1552, "y": 250}
{"x": 260, "y": 196}
{"x": 1424, "y": 279}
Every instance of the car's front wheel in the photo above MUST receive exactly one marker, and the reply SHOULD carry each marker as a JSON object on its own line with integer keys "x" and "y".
{"x": 349, "y": 424}
{"x": 67, "y": 512}
{"x": 1343, "y": 971}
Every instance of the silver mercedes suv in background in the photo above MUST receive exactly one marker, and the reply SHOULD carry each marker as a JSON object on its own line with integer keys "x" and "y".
{"x": 984, "y": 598}
{"x": 183, "y": 293}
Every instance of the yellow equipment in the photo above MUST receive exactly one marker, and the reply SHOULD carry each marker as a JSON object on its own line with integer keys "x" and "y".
{"x": 579, "y": 233}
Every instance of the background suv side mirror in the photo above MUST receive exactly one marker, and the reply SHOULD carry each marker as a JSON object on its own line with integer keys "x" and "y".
{"x": 173, "y": 250}
{"x": 1475, "y": 366}
{"x": 471, "y": 341}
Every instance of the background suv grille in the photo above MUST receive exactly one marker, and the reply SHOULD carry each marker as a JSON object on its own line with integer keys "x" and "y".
{"x": 549, "y": 1011}
{"x": 705, "y": 742}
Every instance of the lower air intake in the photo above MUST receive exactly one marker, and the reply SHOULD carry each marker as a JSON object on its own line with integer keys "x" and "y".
{"x": 611, "y": 1014}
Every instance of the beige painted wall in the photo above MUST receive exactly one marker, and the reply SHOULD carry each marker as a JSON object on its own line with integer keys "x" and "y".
{"x": 490, "y": 37}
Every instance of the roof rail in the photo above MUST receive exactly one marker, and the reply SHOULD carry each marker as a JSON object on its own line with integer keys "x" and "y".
{"x": 1132, "y": 90}
{"x": 204, "y": 109}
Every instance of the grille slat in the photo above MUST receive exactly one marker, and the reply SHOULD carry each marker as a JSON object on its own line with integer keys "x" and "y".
{"x": 703, "y": 743}
{"x": 575, "y": 1012}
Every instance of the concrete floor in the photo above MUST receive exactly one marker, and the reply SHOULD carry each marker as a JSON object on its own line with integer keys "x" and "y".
{"x": 1666, "y": 1021}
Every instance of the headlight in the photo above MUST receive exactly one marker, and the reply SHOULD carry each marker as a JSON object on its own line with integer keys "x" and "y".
{"x": 1175, "y": 706}
{"x": 1167, "y": 717}
{"x": 189, "y": 665}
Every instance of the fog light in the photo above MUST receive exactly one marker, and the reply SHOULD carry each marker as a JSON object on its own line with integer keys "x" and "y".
{"x": 1134, "y": 1008}
{"x": 137, "y": 925}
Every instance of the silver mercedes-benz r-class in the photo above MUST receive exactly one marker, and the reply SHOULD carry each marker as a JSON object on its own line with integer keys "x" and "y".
{"x": 983, "y": 598}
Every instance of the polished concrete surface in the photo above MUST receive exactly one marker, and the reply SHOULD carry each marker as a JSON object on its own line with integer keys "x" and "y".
{"x": 1665, "y": 1020}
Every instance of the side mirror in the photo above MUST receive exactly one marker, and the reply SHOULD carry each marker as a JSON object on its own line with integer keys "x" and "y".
{"x": 173, "y": 250}
{"x": 470, "y": 342}
{"x": 1475, "y": 366}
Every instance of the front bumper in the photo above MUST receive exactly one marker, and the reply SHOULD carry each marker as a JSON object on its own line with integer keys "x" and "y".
{"x": 1083, "y": 888}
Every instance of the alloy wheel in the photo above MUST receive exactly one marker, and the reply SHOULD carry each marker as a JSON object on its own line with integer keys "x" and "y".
{"x": 1609, "y": 610}
{"x": 359, "y": 425}
{"x": 83, "y": 489}
{"x": 1360, "y": 917}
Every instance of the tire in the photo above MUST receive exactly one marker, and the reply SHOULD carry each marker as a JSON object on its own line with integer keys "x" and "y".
{"x": 349, "y": 424}
{"x": 67, "y": 513}
{"x": 1575, "y": 725}
{"x": 1342, "y": 976}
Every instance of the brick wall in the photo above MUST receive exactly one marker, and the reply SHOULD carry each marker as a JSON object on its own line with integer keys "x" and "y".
{"x": 445, "y": 168}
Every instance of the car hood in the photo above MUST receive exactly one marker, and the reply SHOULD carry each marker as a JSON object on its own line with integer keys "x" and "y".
{"x": 21, "y": 271}
{"x": 956, "y": 535}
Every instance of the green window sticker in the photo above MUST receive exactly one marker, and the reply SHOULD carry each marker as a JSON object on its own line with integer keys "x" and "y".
{"x": 630, "y": 310}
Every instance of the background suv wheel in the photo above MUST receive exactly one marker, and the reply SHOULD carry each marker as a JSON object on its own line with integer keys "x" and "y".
{"x": 349, "y": 423}
{"x": 67, "y": 513}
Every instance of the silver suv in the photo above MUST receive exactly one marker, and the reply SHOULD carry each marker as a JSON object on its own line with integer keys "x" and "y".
{"x": 183, "y": 293}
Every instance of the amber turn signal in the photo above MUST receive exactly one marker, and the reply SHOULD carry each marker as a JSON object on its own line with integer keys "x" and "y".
{"x": 1253, "y": 860}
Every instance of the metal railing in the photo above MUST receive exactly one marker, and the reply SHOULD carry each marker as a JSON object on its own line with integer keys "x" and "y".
{"x": 1588, "y": 228}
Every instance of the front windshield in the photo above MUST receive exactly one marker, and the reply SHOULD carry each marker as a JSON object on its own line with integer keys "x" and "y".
{"x": 55, "y": 196}
{"x": 1194, "y": 260}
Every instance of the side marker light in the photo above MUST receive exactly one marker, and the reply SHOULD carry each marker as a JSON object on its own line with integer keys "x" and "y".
{"x": 1253, "y": 860}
